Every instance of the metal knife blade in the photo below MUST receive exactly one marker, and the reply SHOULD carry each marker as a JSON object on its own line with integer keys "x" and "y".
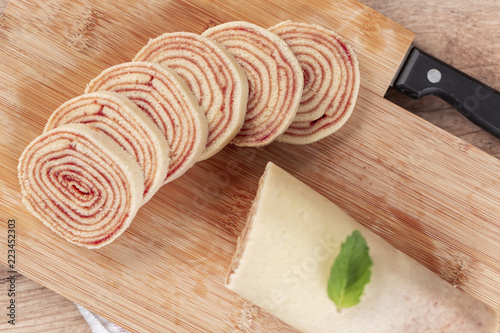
{"x": 422, "y": 74}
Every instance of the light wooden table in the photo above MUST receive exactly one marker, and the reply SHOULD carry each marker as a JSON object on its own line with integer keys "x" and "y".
{"x": 463, "y": 33}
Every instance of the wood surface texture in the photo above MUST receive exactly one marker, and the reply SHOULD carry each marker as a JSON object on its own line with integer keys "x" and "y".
{"x": 429, "y": 193}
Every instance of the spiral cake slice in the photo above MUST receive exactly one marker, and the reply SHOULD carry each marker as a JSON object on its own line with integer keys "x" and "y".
{"x": 331, "y": 81}
{"x": 214, "y": 76}
{"x": 131, "y": 128}
{"x": 274, "y": 76}
{"x": 81, "y": 184}
{"x": 167, "y": 100}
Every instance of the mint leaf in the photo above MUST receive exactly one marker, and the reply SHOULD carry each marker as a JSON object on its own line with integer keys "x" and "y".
{"x": 350, "y": 272}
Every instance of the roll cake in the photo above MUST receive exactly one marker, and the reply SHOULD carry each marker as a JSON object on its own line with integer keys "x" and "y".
{"x": 81, "y": 184}
{"x": 119, "y": 118}
{"x": 274, "y": 75}
{"x": 331, "y": 81}
{"x": 214, "y": 76}
{"x": 287, "y": 249}
{"x": 167, "y": 100}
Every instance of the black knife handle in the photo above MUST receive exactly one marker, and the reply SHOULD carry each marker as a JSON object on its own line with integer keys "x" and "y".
{"x": 422, "y": 75}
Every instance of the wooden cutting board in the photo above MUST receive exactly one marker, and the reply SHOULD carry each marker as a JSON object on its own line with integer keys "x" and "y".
{"x": 428, "y": 193}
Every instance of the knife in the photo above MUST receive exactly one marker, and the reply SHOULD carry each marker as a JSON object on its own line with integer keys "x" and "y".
{"x": 422, "y": 74}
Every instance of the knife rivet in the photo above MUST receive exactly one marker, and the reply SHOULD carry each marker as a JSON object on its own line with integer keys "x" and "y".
{"x": 434, "y": 75}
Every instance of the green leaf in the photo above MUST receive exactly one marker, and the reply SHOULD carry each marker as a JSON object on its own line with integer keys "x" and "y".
{"x": 350, "y": 272}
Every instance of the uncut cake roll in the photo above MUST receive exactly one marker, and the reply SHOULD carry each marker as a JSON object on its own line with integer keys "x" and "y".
{"x": 211, "y": 72}
{"x": 168, "y": 101}
{"x": 331, "y": 81}
{"x": 286, "y": 252}
{"x": 120, "y": 119}
{"x": 274, "y": 75}
{"x": 81, "y": 184}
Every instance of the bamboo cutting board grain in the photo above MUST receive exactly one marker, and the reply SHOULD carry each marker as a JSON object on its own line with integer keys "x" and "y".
{"x": 425, "y": 191}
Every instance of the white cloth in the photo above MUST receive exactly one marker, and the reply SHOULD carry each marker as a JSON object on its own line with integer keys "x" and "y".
{"x": 98, "y": 324}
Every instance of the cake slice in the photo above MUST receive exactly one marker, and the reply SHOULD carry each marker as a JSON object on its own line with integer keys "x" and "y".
{"x": 168, "y": 101}
{"x": 331, "y": 80}
{"x": 81, "y": 184}
{"x": 212, "y": 73}
{"x": 274, "y": 77}
{"x": 120, "y": 119}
